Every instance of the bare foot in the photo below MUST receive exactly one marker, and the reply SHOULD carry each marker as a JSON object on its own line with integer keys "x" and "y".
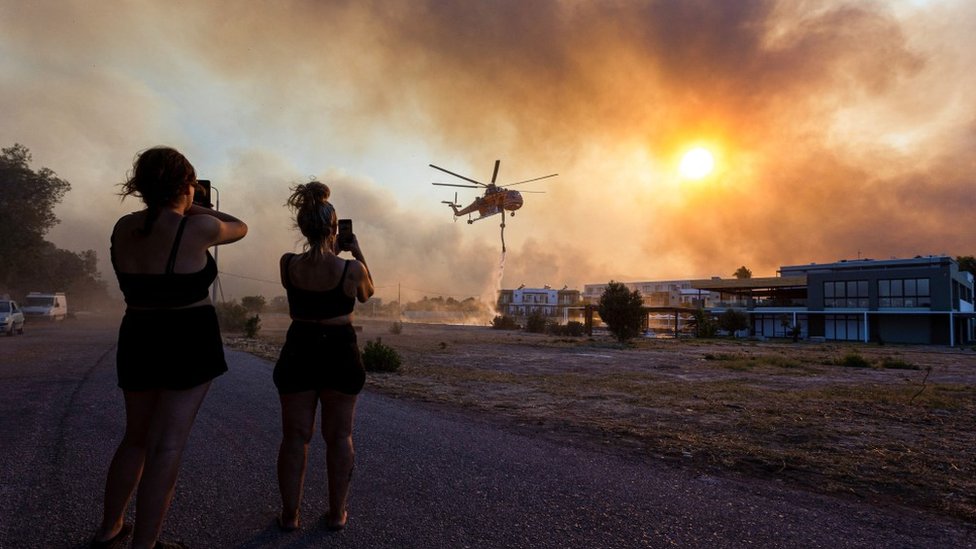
{"x": 336, "y": 523}
{"x": 288, "y": 522}
{"x": 117, "y": 538}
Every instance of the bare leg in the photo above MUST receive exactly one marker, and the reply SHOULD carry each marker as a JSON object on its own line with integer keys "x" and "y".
{"x": 297, "y": 426}
{"x": 126, "y": 468}
{"x": 172, "y": 420}
{"x": 338, "y": 410}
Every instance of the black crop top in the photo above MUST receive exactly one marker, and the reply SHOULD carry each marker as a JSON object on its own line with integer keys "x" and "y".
{"x": 168, "y": 289}
{"x": 318, "y": 305}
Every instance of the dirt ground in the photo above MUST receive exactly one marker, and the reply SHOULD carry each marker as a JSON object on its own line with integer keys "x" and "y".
{"x": 891, "y": 424}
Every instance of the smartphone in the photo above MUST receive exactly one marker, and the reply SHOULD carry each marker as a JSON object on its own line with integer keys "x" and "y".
{"x": 202, "y": 197}
{"x": 344, "y": 237}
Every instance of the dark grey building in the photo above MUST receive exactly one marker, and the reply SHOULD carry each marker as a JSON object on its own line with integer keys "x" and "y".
{"x": 925, "y": 300}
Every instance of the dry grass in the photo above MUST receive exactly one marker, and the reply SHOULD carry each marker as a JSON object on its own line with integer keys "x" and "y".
{"x": 900, "y": 429}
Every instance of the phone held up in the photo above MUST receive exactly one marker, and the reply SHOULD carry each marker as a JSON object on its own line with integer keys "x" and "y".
{"x": 202, "y": 194}
{"x": 344, "y": 236}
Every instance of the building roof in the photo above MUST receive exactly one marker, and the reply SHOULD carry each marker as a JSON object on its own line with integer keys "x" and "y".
{"x": 861, "y": 264}
{"x": 757, "y": 285}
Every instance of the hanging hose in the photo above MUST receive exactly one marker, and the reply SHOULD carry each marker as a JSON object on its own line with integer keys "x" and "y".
{"x": 503, "y": 233}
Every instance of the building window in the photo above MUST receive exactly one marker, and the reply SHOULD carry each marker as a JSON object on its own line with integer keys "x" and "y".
{"x": 904, "y": 293}
{"x": 850, "y": 294}
{"x": 844, "y": 327}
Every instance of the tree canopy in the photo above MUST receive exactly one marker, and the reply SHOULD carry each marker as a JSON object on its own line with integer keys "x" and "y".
{"x": 742, "y": 272}
{"x": 622, "y": 310}
{"x": 27, "y": 201}
{"x": 967, "y": 263}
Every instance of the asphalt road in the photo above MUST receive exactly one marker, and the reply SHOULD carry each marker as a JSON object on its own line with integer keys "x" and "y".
{"x": 425, "y": 477}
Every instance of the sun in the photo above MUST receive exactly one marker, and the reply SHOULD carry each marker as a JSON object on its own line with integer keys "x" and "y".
{"x": 696, "y": 163}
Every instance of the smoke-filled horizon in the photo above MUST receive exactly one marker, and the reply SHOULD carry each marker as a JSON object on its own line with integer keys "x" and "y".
{"x": 839, "y": 129}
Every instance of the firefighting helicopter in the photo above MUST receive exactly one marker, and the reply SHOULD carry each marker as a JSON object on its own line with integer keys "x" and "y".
{"x": 496, "y": 200}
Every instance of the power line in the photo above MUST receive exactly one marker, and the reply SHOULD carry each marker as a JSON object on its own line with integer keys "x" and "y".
{"x": 278, "y": 282}
{"x": 418, "y": 290}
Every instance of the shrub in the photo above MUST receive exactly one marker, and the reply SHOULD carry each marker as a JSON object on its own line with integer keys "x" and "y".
{"x": 251, "y": 326}
{"x": 535, "y": 323}
{"x": 732, "y": 321}
{"x": 504, "y": 322}
{"x": 378, "y": 357}
{"x": 854, "y": 360}
{"x": 396, "y": 327}
{"x": 572, "y": 328}
{"x": 704, "y": 324}
{"x": 231, "y": 315}
{"x": 622, "y": 311}
{"x": 898, "y": 364}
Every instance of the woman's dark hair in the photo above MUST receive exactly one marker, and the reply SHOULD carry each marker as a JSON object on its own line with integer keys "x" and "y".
{"x": 159, "y": 176}
{"x": 315, "y": 216}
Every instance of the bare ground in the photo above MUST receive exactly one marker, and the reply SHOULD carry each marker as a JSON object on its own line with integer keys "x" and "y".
{"x": 900, "y": 430}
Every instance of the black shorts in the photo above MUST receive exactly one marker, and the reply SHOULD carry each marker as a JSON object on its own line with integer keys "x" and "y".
{"x": 316, "y": 357}
{"x": 171, "y": 349}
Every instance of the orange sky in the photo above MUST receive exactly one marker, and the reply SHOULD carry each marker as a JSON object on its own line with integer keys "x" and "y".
{"x": 839, "y": 128}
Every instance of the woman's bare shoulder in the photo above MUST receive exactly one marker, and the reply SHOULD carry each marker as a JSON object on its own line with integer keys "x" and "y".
{"x": 357, "y": 268}
{"x": 129, "y": 221}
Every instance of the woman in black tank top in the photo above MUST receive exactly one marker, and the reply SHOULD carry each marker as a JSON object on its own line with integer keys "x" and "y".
{"x": 320, "y": 361}
{"x": 169, "y": 345}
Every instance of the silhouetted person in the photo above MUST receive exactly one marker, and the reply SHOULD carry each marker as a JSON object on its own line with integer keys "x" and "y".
{"x": 320, "y": 361}
{"x": 169, "y": 346}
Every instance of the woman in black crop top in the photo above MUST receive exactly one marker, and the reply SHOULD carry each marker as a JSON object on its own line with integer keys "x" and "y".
{"x": 169, "y": 346}
{"x": 320, "y": 361}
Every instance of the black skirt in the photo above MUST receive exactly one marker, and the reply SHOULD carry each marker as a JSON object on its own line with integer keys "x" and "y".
{"x": 172, "y": 349}
{"x": 316, "y": 357}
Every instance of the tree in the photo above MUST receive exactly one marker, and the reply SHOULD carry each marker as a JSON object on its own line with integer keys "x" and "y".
{"x": 253, "y": 303}
{"x": 742, "y": 272}
{"x": 27, "y": 201}
{"x": 704, "y": 324}
{"x": 967, "y": 263}
{"x": 732, "y": 321}
{"x": 622, "y": 310}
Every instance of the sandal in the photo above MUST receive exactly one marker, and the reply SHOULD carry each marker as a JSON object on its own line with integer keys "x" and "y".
{"x": 115, "y": 542}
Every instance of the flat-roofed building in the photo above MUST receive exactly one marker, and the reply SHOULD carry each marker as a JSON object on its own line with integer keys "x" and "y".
{"x": 658, "y": 293}
{"x": 925, "y": 300}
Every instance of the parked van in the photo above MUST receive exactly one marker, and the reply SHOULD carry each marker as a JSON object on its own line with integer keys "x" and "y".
{"x": 45, "y": 306}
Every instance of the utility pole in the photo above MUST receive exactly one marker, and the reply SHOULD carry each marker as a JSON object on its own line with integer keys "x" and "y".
{"x": 216, "y": 284}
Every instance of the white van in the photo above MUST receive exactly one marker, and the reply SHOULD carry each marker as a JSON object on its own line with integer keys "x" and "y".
{"x": 45, "y": 306}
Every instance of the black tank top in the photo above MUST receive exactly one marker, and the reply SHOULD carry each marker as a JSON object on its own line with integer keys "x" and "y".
{"x": 318, "y": 305}
{"x": 168, "y": 289}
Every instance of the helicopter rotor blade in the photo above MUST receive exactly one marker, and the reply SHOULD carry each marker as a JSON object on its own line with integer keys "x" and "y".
{"x": 456, "y": 185}
{"x": 457, "y": 175}
{"x": 495, "y": 173}
{"x": 534, "y": 192}
{"x": 528, "y": 180}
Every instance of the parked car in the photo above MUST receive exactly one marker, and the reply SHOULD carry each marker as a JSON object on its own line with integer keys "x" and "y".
{"x": 46, "y": 306}
{"x": 11, "y": 317}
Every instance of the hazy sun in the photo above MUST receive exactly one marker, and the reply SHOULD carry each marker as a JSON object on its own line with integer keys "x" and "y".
{"x": 696, "y": 163}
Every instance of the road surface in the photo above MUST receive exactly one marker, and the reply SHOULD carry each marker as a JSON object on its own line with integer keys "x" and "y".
{"x": 425, "y": 477}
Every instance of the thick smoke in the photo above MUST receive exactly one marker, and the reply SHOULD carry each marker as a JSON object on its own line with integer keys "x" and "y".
{"x": 840, "y": 128}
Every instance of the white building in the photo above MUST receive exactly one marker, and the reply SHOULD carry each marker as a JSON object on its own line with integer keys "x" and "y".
{"x": 659, "y": 293}
{"x": 564, "y": 304}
